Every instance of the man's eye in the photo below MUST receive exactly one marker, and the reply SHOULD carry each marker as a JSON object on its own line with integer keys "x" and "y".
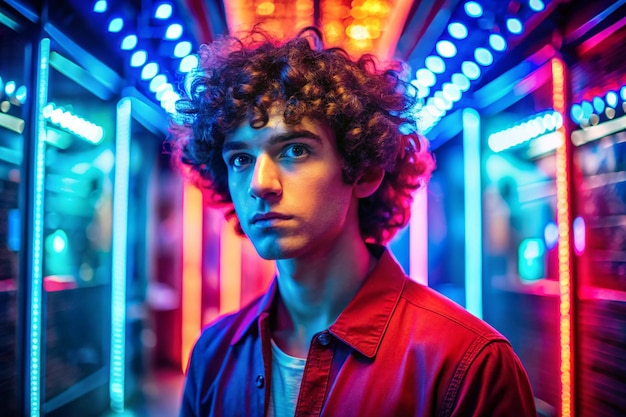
{"x": 296, "y": 151}
{"x": 239, "y": 160}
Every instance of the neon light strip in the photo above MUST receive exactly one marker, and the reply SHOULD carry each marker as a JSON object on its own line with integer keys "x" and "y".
{"x": 119, "y": 252}
{"x": 563, "y": 222}
{"x": 58, "y": 116}
{"x": 36, "y": 307}
{"x": 473, "y": 213}
{"x": 582, "y": 136}
{"x": 230, "y": 269}
{"x": 192, "y": 270}
{"x": 534, "y": 127}
{"x": 418, "y": 237}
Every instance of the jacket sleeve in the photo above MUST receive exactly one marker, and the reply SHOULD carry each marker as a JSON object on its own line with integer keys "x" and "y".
{"x": 189, "y": 407}
{"x": 495, "y": 385}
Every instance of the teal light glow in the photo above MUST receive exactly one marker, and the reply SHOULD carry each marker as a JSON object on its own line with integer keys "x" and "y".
{"x": 100, "y": 6}
{"x": 451, "y": 92}
{"x": 537, "y": 5}
{"x": 156, "y": 82}
{"x": 530, "y": 260}
{"x": 446, "y": 49}
{"x": 514, "y": 26}
{"x": 461, "y": 81}
{"x": 149, "y": 70}
{"x": 168, "y": 101}
{"x": 611, "y": 99}
{"x": 72, "y": 123}
{"x": 56, "y": 242}
{"x": 473, "y": 213}
{"x": 138, "y": 58}
{"x": 426, "y": 77}
{"x": 188, "y": 63}
{"x": 497, "y": 42}
{"x": 9, "y": 88}
{"x": 483, "y": 56}
{"x": 576, "y": 113}
{"x": 36, "y": 298}
{"x": 118, "y": 251}
{"x": 174, "y": 31}
{"x": 470, "y": 70}
{"x": 457, "y": 30}
{"x": 587, "y": 109}
{"x": 598, "y": 104}
{"x": 182, "y": 49}
{"x": 435, "y": 64}
{"x": 21, "y": 94}
{"x": 523, "y": 132}
{"x": 163, "y": 11}
{"x": 116, "y": 25}
{"x": 473, "y": 9}
{"x": 129, "y": 42}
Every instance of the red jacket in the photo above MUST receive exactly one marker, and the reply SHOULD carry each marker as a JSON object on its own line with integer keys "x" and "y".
{"x": 398, "y": 349}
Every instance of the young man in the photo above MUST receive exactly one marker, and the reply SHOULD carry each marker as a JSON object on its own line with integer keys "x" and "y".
{"x": 316, "y": 156}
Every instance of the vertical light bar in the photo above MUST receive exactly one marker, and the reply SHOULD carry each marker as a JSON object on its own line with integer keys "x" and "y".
{"x": 36, "y": 288}
{"x": 230, "y": 269}
{"x": 418, "y": 237}
{"x": 563, "y": 222}
{"x": 119, "y": 253}
{"x": 192, "y": 270}
{"x": 473, "y": 213}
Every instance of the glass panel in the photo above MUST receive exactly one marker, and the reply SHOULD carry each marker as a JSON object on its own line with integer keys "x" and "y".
{"x": 13, "y": 117}
{"x": 520, "y": 252}
{"x": 77, "y": 229}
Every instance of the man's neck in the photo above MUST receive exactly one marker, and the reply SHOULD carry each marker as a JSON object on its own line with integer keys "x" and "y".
{"x": 314, "y": 292}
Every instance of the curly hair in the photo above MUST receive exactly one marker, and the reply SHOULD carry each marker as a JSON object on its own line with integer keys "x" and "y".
{"x": 369, "y": 110}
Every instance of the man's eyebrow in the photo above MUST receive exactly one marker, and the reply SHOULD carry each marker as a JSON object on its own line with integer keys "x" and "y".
{"x": 280, "y": 138}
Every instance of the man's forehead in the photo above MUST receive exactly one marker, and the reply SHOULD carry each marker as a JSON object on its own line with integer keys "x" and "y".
{"x": 277, "y": 126}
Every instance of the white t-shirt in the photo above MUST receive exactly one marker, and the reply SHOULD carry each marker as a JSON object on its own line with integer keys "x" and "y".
{"x": 286, "y": 379}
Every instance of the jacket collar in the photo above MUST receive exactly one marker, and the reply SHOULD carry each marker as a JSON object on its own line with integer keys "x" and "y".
{"x": 364, "y": 321}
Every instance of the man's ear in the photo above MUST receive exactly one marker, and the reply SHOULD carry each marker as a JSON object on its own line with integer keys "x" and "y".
{"x": 368, "y": 182}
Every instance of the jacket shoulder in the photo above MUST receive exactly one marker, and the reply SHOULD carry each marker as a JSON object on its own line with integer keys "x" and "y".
{"x": 441, "y": 309}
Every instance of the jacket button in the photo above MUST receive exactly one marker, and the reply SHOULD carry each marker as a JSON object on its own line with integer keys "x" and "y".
{"x": 323, "y": 339}
{"x": 260, "y": 381}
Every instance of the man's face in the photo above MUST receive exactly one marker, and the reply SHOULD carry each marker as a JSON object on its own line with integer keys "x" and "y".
{"x": 287, "y": 188}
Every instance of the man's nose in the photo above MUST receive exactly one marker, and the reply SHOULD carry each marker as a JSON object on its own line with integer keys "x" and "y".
{"x": 265, "y": 182}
